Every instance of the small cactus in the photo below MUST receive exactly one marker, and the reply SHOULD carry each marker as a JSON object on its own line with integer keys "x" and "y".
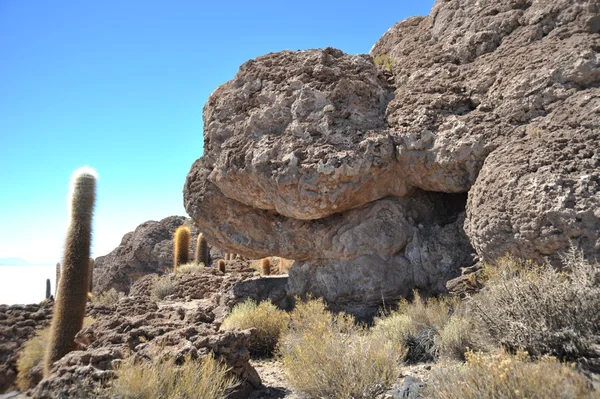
{"x": 221, "y": 265}
{"x": 265, "y": 266}
{"x": 181, "y": 251}
{"x": 69, "y": 309}
{"x": 201, "y": 251}
{"x": 48, "y": 288}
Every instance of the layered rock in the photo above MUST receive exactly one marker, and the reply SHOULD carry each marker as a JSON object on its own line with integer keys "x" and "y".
{"x": 359, "y": 168}
{"x": 148, "y": 249}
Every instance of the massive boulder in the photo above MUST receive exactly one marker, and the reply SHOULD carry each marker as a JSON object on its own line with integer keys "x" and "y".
{"x": 365, "y": 168}
{"x": 147, "y": 250}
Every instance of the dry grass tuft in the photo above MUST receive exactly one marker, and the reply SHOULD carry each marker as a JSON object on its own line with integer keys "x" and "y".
{"x": 329, "y": 356}
{"x": 30, "y": 362}
{"x": 30, "y": 365}
{"x": 108, "y": 298}
{"x": 269, "y": 322}
{"x": 163, "y": 287}
{"x": 500, "y": 375}
{"x": 543, "y": 310}
{"x": 206, "y": 379}
{"x": 190, "y": 267}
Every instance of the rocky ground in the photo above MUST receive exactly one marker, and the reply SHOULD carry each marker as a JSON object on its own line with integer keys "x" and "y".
{"x": 186, "y": 322}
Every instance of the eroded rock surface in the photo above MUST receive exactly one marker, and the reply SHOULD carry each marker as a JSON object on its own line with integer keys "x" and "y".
{"x": 359, "y": 168}
{"x": 185, "y": 324}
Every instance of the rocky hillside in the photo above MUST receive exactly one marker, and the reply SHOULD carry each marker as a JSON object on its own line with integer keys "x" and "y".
{"x": 148, "y": 249}
{"x": 470, "y": 133}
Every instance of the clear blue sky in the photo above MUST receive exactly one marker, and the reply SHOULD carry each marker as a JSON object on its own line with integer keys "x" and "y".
{"x": 120, "y": 86}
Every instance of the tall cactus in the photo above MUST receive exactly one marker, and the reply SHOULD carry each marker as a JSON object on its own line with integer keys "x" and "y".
{"x": 201, "y": 251}
{"x": 181, "y": 250}
{"x": 69, "y": 309}
{"x": 48, "y": 288}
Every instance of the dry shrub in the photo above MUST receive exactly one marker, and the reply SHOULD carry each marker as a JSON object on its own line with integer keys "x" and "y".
{"x": 30, "y": 365}
{"x": 490, "y": 376}
{"x": 189, "y": 268}
{"x": 329, "y": 356}
{"x": 30, "y": 362}
{"x": 269, "y": 322}
{"x": 543, "y": 310}
{"x": 206, "y": 379}
{"x": 428, "y": 329}
{"x": 108, "y": 298}
{"x": 163, "y": 287}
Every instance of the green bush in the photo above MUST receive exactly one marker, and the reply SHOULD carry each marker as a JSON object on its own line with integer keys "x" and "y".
{"x": 268, "y": 321}
{"x": 329, "y": 356}
{"x": 491, "y": 376}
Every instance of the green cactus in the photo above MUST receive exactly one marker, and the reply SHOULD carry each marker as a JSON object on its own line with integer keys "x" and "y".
{"x": 265, "y": 266}
{"x": 201, "y": 250}
{"x": 221, "y": 265}
{"x": 181, "y": 250}
{"x": 48, "y": 288}
{"x": 69, "y": 309}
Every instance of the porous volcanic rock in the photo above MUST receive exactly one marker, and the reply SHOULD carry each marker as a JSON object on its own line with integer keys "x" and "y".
{"x": 148, "y": 249}
{"x": 359, "y": 168}
{"x": 18, "y": 323}
{"x": 510, "y": 85}
{"x": 139, "y": 327}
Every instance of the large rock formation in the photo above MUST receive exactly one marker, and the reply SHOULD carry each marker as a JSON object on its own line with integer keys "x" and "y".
{"x": 359, "y": 167}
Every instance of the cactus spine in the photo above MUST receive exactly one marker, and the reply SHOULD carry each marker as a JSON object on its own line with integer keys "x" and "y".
{"x": 181, "y": 252}
{"x": 48, "y": 288}
{"x": 221, "y": 265}
{"x": 69, "y": 309}
{"x": 265, "y": 266}
{"x": 201, "y": 251}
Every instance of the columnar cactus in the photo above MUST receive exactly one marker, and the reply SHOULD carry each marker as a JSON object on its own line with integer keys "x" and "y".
{"x": 48, "y": 288}
{"x": 181, "y": 250}
{"x": 201, "y": 250}
{"x": 69, "y": 309}
{"x": 265, "y": 266}
{"x": 221, "y": 265}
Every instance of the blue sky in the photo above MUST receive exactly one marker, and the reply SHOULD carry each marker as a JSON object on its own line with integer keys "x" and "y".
{"x": 120, "y": 86}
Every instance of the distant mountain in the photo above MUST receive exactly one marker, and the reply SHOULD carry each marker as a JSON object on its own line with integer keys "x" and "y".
{"x": 14, "y": 262}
